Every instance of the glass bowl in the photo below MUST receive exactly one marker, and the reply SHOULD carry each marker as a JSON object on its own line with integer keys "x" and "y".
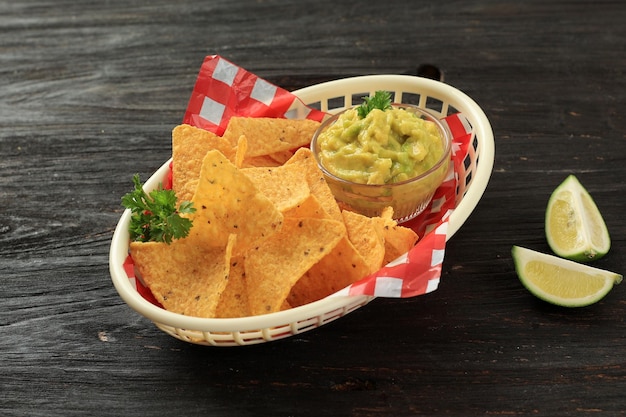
{"x": 408, "y": 198}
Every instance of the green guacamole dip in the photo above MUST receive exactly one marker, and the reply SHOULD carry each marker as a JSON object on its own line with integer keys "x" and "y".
{"x": 384, "y": 147}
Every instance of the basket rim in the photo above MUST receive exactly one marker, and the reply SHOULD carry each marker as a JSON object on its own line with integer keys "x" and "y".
{"x": 119, "y": 243}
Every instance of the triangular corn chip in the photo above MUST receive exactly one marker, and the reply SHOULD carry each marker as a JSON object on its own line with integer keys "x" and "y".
{"x": 340, "y": 268}
{"x": 285, "y": 186}
{"x": 274, "y": 267}
{"x": 227, "y": 202}
{"x": 367, "y": 237}
{"x": 267, "y": 135}
{"x": 306, "y": 161}
{"x": 234, "y": 299}
{"x": 189, "y": 146}
{"x": 186, "y": 278}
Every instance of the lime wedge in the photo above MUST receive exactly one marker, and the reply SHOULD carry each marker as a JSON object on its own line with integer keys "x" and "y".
{"x": 561, "y": 281}
{"x": 574, "y": 226}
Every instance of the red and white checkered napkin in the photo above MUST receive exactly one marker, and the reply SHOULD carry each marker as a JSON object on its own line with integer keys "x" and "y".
{"x": 224, "y": 90}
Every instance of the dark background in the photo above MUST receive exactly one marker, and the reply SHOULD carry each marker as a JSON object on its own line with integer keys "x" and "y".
{"x": 89, "y": 93}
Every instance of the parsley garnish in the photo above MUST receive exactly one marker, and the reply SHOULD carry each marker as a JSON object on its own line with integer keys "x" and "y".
{"x": 154, "y": 216}
{"x": 380, "y": 100}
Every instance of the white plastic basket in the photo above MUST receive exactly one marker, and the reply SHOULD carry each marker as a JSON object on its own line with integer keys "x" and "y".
{"x": 331, "y": 97}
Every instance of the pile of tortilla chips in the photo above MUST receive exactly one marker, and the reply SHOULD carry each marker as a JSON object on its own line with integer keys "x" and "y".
{"x": 267, "y": 233}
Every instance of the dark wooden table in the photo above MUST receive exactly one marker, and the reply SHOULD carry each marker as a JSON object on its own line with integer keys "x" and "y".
{"x": 89, "y": 93}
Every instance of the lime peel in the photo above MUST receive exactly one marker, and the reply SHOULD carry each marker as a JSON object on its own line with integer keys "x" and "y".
{"x": 574, "y": 226}
{"x": 562, "y": 281}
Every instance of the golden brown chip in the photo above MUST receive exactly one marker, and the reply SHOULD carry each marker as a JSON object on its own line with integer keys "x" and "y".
{"x": 185, "y": 277}
{"x": 366, "y": 235}
{"x": 234, "y": 299}
{"x": 340, "y": 268}
{"x": 227, "y": 202}
{"x": 387, "y": 213}
{"x": 281, "y": 157}
{"x": 189, "y": 145}
{"x": 267, "y": 135}
{"x": 259, "y": 161}
{"x": 275, "y": 266}
{"x": 240, "y": 152}
{"x": 398, "y": 239}
{"x": 306, "y": 161}
{"x": 310, "y": 208}
{"x": 285, "y": 186}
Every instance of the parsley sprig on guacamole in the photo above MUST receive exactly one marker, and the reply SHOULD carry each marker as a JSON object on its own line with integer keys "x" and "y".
{"x": 155, "y": 216}
{"x": 377, "y": 143}
{"x": 381, "y": 100}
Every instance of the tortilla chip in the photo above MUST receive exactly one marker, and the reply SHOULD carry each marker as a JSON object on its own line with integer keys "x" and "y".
{"x": 281, "y": 157}
{"x": 189, "y": 146}
{"x": 285, "y": 186}
{"x": 340, "y": 268}
{"x": 185, "y": 277}
{"x": 227, "y": 202}
{"x": 267, "y": 135}
{"x": 310, "y": 208}
{"x": 306, "y": 161}
{"x": 366, "y": 235}
{"x": 274, "y": 267}
{"x": 234, "y": 299}
{"x": 398, "y": 239}
{"x": 387, "y": 213}
{"x": 240, "y": 152}
{"x": 259, "y": 161}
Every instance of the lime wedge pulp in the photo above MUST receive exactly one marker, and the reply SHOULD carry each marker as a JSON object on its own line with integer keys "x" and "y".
{"x": 574, "y": 226}
{"x": 561, "y": 281}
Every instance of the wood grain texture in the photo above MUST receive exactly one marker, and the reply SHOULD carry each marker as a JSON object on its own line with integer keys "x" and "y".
{"x": 89, "y": 93}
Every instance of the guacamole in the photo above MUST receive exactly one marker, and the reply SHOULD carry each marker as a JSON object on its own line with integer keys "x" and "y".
{"x": 385, "y": 147}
